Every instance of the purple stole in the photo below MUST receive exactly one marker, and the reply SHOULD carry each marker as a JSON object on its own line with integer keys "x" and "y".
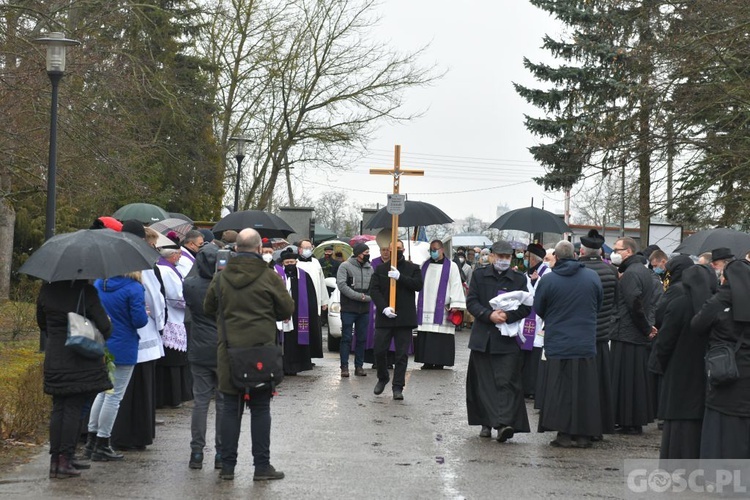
{"x": 187, "y": 254}
{"x": 370, "y": 341}
{"x": 529, "y": 325}
{"x": 442, "y": 290}
{"x": 164, "y": 262}
{"x": 303, "y": 307}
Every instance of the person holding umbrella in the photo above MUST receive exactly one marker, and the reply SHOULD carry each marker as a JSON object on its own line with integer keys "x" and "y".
{"x": 71, "y": 379}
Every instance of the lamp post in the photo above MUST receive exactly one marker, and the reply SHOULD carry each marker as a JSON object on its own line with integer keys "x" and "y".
{"x": 239, "y": 154}
{"x": 56, "y": 46}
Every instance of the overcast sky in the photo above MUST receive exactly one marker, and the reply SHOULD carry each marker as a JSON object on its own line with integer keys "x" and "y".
{"x": 471, "y": 141}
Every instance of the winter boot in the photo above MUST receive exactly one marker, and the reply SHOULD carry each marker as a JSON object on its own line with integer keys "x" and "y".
{"x": 54, "y": 459}
{"x": 88, "y": 448}
{"x": 103, "y": 451}
{"x": 65, "y": 468}
{"x": 80, "y": 463}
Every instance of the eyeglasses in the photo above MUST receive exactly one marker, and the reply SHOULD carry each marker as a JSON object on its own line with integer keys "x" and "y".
{"x": 618, "y": 250}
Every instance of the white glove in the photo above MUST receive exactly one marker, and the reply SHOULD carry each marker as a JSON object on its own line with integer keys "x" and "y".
{"x": 393, "y": 273}
{"x": 389, "y": 312}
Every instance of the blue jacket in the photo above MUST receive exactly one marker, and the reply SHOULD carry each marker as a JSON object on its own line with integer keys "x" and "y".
{"x": 124, "y": 300}
{"x": 568, "y": 299}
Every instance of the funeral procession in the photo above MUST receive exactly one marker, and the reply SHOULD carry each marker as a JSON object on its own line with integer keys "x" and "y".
{"x": 371, "y": 249}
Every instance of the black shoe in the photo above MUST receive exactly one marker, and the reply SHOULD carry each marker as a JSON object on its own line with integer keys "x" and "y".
{"x": 582, "y": 442}
{"x": 80, "y": 463}
{"x": 267, "y": 474}
{"x": 217, "y": 461}
{"x": 380, "y": 386}
{"x": 196, "y": 461}
{"x": 398, "y": 395}
{"x": 88, "y": 448}
{"x": 562, "y": 441}
{"x": 486, "y": 432}
{"x": 427, "y": 366}
{"x": 227, "y": 472}
{"x": 103, "y": 451}
{"x": 504, "y": 433}
{"x": 359, "y": 372}
{"x": 65, "y": 468}
{"x": 632, "y": 430}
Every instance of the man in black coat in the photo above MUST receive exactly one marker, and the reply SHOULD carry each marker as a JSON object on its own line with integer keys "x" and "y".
{"x": 398, "y": 324}
{"x": 631, "y": 334}
{"x": 202, "y": 344}
{"x": 494, "y": 392}
{"x": 591, "y": 250}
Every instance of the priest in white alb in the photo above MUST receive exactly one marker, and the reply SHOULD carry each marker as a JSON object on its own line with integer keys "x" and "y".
{"x": 440, "y": 303}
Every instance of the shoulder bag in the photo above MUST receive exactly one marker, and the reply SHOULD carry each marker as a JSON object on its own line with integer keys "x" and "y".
{"x": 255, "y": 368}
{"x": 721, "y": 363}
{"x": 83, "y": 336}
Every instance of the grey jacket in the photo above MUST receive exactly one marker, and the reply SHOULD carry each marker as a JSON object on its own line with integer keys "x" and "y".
{"x": 353, "y": 282}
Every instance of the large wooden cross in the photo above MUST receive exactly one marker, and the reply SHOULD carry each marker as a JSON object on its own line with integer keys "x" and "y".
{"x": 396, "y": 172}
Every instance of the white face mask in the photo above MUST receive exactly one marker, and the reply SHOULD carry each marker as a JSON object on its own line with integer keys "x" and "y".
{"x": 616, "y": 259}
{"x": 267, "y": 257}
{"x": 502, "y": 265}
{"x": 307, "y": 253}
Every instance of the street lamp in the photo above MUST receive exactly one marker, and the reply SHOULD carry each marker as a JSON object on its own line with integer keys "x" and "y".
{"x": 56, "y": 46}
{"x": 239, "y": 154}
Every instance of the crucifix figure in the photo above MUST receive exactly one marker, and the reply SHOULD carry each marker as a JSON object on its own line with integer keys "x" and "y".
{"x": 396, "y": 172}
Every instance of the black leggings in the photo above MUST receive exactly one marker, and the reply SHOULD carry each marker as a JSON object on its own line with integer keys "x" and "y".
{"x": 65, "y": 423}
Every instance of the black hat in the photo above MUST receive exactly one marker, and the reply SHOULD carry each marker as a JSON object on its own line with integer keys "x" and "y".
{"x": 267, "y": 243}
{"x": 537, "y": 250}
{"x": 134, "y": 227}
{"x": 288, "y": 253}
{"x": 721, "y": 254}
{"x": 592, "y": 240}
{"x": 360, "y": 248}
{"x": 328, "y": 247}
{"x": 208, "y": 236}
{"x": 649, "y": 250}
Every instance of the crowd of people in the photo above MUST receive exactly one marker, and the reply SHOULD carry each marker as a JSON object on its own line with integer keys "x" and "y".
{"x": 600, "y": 343}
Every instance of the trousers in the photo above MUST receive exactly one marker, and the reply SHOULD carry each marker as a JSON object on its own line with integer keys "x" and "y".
{"x": 260, "y": 428}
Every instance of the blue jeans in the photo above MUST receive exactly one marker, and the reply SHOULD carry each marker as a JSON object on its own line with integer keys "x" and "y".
{"x": 105, "y": 407}
{"x": 359, "y": 321}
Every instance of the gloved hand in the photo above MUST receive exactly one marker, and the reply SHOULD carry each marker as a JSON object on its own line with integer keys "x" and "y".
{"x": 393, "y": 273}
{"x": 389, "y": 312}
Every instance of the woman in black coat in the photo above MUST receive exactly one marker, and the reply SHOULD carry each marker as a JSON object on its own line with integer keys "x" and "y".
{"x": 680, "y": 352}
{"x": 71, "y": 379}
{"x": 725, "y": 319}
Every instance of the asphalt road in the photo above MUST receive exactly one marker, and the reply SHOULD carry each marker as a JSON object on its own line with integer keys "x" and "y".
{"x": 335, "y": 439}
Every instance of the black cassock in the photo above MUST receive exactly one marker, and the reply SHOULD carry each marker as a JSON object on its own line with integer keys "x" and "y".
{"x": 298, "y": 357}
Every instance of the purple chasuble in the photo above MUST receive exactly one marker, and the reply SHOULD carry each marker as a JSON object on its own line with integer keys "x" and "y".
{"x": 529, "y": 326}
{"x": 303, "y": 306}
{"x": 164, "y": 262}
{"x": 441, "y": 293}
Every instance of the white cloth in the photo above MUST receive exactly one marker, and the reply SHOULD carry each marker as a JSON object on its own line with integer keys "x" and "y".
{"x": 319, "y": 280}
{"x": 288, "y": 324}
{"x": 150, "y": 345}
{"x": 454, "y": 298}
{"x": 175, "y": 336}
{"x": 185, "y": 264}
{"x": 511, "y": 301}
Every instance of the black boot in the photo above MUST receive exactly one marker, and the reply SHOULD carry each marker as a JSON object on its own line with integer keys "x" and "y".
{"x": 80, "y": 463}
{"x": 88, "y": 448}
{"x": 54, "y": 459}
{"x": 103, "y": 452}
{"x": 65, "y": 468}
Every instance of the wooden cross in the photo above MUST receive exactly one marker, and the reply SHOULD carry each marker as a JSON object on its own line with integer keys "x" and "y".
{"x": 396, "y": 172}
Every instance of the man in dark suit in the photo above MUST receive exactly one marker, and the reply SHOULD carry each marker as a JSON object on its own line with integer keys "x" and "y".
{"x": 394, "y": 324}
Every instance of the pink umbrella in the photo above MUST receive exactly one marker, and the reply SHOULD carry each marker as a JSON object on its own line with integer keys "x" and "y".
{"x": 361, "y": 238}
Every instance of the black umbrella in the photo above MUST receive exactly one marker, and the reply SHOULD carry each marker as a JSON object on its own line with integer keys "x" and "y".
{"x": 144, "y": 212}
{"x": 267, "y": 224}
{"x": 89, "y": 254}
{"x": 416, "y": 213}
{"x": 531, "y": 220}
{"x": 710, "y": 239}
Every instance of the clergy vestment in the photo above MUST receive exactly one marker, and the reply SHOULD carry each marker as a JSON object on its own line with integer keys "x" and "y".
{"x": 297, "y": 333}
{"x": 185, "y": 264}
{"x": 442, "y": 291}
{"x": 315, "y": 272}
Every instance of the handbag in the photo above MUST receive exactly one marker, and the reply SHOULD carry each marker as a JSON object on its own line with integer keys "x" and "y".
{"x": 84, "y": 337}
{"x": 253, "y": 368}
{"x": 721, "y": 363}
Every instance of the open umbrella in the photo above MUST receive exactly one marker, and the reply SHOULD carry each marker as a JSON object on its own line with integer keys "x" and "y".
{"x": 177, "y": 215}
{"x": 416, "y": 213}
{"x": 89, "y": 254}
{"x": 338, "y": 246}
{"x": 144, "y": 212}
{"x": 531, "y": 220}
{"x": 266, "y": 223}
{"x": 710, "y": 239}
{"x": 361, "y": 238}
{"x": 179, "y": 226}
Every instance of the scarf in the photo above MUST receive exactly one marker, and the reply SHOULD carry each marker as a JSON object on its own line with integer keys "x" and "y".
{"x": 441, "y": 292}
{"x": 303, "y": 308}
{"x": 164, "y": 262}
